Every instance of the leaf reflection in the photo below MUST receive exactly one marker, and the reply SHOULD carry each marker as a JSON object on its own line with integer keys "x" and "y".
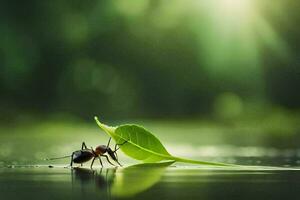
{"x": 125, "y": 182}
{"x": 137, "y": 178}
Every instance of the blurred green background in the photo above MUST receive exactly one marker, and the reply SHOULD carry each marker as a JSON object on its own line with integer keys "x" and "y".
{"x": 214, "y": 80}
{"x": 207, "y": 69}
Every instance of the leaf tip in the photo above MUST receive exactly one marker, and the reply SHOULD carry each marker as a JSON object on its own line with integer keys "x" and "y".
{"x": 97, "y": 121}
{"x": 107, "y": 129}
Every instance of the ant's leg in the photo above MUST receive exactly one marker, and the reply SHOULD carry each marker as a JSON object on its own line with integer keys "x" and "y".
{"x": 83, "y": 146}
{"x": 108, "y": 142}
{"x": 71, "y": 164}
{"x": 116, "y": 149}
{"x": 93, "y": 151}
{"x": 100, "y": 163}
{"x": 92, "y": 162}
{"x": 116, "y": 155}
{"x": 108, "y": 159}
{"x": 118, "y": 163}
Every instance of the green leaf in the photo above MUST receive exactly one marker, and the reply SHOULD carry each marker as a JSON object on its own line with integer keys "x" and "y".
{"x": 143, "y": 145}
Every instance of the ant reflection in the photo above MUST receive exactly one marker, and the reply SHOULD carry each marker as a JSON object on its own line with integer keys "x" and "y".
{"x": 87, "y": 180}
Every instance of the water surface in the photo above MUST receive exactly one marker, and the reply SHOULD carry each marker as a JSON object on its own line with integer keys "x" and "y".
{"x": 24, "y": 174}
{"x": 147, "y": 182}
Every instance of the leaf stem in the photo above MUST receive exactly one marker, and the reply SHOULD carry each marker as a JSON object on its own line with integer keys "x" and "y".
{"x": 178, "y": 159}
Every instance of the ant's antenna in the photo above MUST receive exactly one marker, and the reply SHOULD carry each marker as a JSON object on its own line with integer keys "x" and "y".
{"x": 57, "y": 158}
{"x": 108, "y": 142}
{"x": 117, "y": 148}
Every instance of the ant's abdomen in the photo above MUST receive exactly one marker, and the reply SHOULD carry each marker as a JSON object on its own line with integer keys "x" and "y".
{"x": 82, "y": 156}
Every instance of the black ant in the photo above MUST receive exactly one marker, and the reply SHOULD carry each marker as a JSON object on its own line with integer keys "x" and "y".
{"x": 85, "y": 154}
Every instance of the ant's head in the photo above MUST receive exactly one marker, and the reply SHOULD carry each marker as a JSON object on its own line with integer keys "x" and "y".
{"x": 101, "y": 149}
{"x": 111, "y": 153}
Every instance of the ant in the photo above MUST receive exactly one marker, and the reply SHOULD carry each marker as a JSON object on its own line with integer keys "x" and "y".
{"x": 85, "y": 154}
